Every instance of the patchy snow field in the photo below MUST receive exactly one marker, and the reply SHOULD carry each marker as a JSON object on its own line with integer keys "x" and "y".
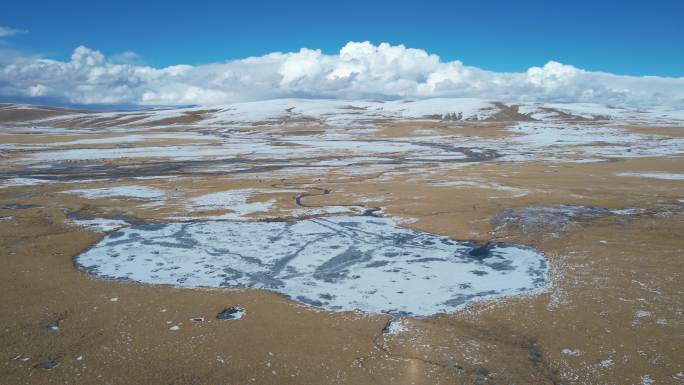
{"x": 138, "y": 192}
{"x": 654, "y": 175}
{"x": 345, "y": 112}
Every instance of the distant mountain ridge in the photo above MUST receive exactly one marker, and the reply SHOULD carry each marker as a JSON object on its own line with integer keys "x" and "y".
{"x": 337, "y": 112}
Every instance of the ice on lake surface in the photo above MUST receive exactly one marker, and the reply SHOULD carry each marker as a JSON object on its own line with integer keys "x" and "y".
{"x": 336, "y": 263}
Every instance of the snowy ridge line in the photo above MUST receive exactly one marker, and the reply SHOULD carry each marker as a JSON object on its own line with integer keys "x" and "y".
{"x": 345, "y": 112}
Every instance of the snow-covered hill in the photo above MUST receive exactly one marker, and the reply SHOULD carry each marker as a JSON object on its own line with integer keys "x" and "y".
{"x": 340, "y": 112}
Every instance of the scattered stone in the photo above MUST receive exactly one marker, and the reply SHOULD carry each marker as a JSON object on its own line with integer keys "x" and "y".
{"x": 174, "y": 328}
{"x": 115, "y": 299}
{"x": 231, "y": 313}
{"x": 571, "y": 352}
{"x": 22, "y": 358}
{"x": 54, "y": 327}
{"x": 482, "y": 372}
{"x": 47, "y": 365}
{"x": 606, "y": 363}
{"x": 642, "y": 313}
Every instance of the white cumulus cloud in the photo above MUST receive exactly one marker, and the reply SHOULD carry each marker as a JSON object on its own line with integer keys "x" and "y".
{"x": 359, "y": 70}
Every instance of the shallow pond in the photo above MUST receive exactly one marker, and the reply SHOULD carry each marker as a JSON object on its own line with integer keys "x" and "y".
{"x": 336, "y": 263}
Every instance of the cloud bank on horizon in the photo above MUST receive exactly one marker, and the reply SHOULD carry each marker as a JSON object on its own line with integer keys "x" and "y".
{"x": 360, "y": 70}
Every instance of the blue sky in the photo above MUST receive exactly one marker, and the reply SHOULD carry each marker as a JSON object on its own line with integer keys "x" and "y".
{"x": 623, "y": 37}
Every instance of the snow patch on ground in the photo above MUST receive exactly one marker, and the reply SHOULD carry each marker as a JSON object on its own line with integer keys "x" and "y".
{"x": 140, "y": 192}
{"x": 235, "y": 200}
{"x": 15, "y": 182}
{"x": 550, "y": 134}
{"x": 238, "y": 201}
{"x": 135, "y": 139}
{"x": 396, "y": 326}
{"x": 102, "y": 225}
{"x": 654, "y": 175}
{"x": 344, "y": 112}
{"x": 311, "y": 211}
{"x": 517, "y": 192}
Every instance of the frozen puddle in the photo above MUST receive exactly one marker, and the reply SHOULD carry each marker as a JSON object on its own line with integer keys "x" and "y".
{"x": 337, "y": 263}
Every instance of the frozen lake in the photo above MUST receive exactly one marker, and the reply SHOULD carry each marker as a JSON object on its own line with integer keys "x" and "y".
{"x": 335, "y": 263}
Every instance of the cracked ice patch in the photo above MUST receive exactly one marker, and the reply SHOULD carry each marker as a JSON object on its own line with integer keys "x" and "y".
{"x": 336, "y": 263}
